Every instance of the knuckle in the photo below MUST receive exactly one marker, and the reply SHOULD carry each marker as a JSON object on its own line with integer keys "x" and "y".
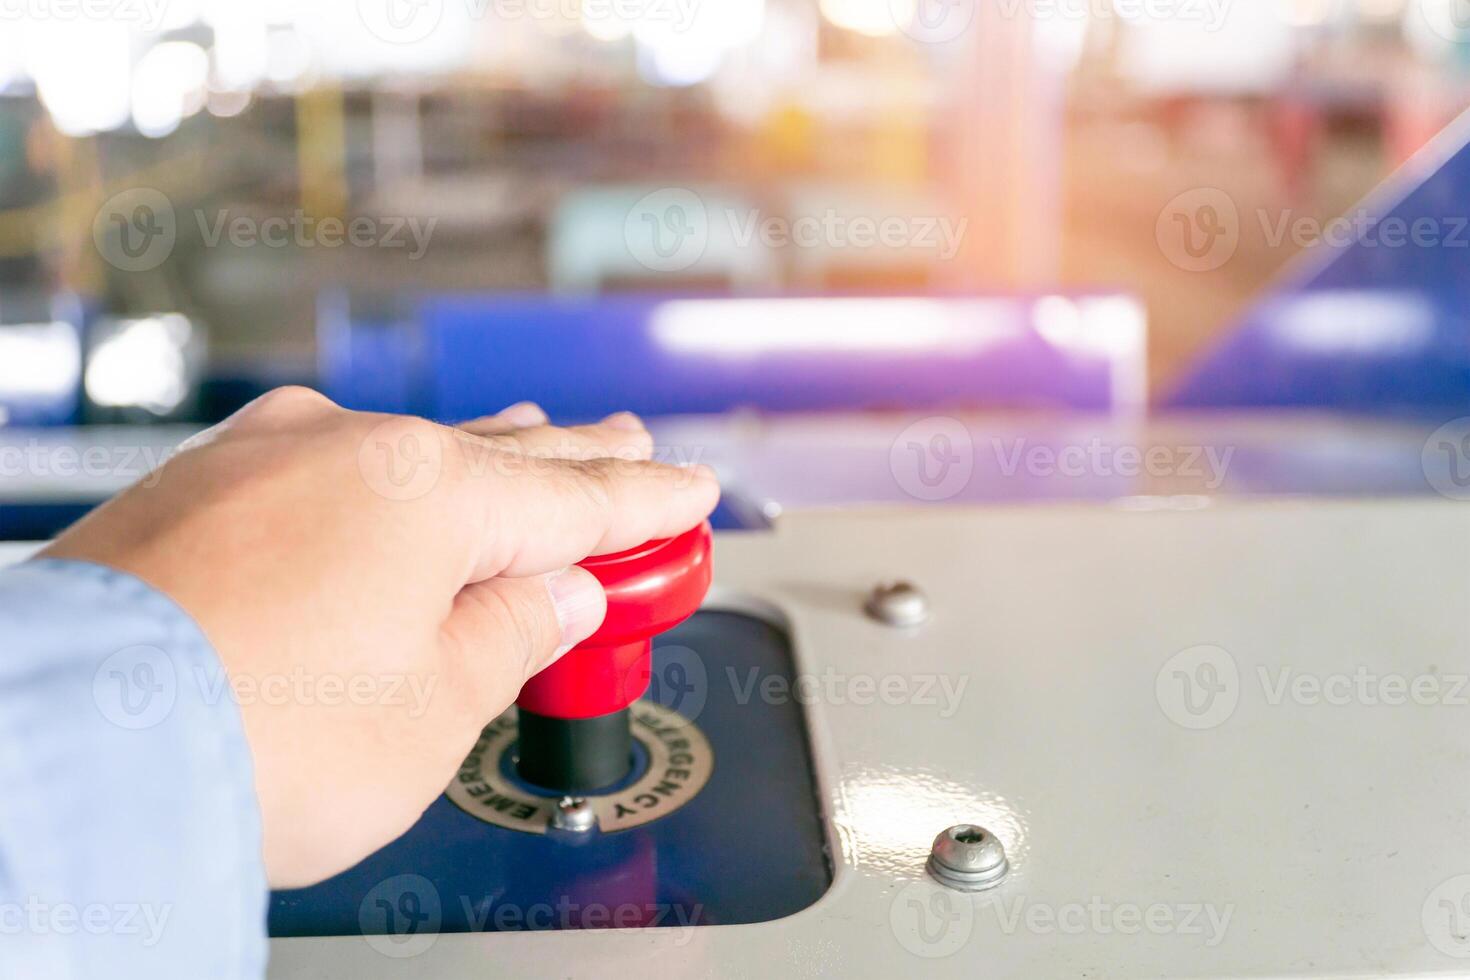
{"x": 296, "y": 397}
{"x": 591, "y": 480}
{"x": 287, "y": 404}
{"x": 420, "y": 430}
{"x": 642, "y": 442}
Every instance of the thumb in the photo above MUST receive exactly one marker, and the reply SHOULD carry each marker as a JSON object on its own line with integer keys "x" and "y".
{"x": 502, "y": 631}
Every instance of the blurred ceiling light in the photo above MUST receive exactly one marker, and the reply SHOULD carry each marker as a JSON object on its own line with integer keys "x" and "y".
{"x": 289, "y": 56}
{"x": 169, "y": 85}
{"x": 1061, "y": 42}
{"x": 241, "y": 50}
{"x": 1430, "y": 23}
{"x": 225, "y": 103}
{"x": 141, "y": 364}
{"x": 39, "y": 359}
{"x": 751, "y": 327}
{"x": 12, "y": 64}
{"x": 678, "y": 66}
{"x": 734, "y": 22}
{"x": 607, "y": 21}
{"x": 82, "y": 71}
{"x": 559, "y": 22}
{"x": 1381, "y": 11}
{"x": 178, "y": 14}
{"x": 1249, "y": 50}
{"x": 1108, "y": 325}
{"x": 875, "y": 18}
{"x": 1308, "y": 13}
{"x": 1114, "y": 328}
{"x": 684, "y": 46}
{"x": 1355, "y": 322}
{"x": 787, "y": 51}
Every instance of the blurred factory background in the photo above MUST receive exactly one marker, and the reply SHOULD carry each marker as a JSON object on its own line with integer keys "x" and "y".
{"x": 705, "y": 206}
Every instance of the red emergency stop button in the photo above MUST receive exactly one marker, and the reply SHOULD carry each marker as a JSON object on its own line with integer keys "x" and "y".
{"x": 650, "y": 589}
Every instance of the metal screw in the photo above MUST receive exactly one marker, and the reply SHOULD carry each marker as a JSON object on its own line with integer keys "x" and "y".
{"x": 898, "y": 604}
{"x": 574, "y": 813}
{"x": 968, "y": 858}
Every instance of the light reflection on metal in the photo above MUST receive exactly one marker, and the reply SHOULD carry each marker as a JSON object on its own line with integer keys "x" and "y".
{"x": 886, "y": 817}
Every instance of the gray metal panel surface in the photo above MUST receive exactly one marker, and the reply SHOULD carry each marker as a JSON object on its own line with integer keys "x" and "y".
{"x": 1228, "y": 742}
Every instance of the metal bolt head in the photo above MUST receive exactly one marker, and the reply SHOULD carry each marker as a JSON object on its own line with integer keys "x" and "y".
{"x": 968, "y": 858}
{"x": 899, "y": 604}
{"x": 574, "y": 813}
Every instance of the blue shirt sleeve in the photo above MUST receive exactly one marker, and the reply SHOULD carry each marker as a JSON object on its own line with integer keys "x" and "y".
{"x": 129, "y": 828}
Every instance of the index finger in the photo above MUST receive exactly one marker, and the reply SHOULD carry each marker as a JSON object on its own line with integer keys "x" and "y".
{"x": 539, "y": 514}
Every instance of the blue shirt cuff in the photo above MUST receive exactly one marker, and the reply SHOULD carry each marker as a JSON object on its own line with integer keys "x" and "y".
{"x": 129, "y": 829}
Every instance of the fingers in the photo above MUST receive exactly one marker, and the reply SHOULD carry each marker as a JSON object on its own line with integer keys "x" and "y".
{"x": 578, "y": 442}
{"x": 528, "y": 501}
{"x": 524, "y": 428}
{"x": 541, "y": 514}
{"x": 502, "y": 631}
{"x": 521, "y": 415}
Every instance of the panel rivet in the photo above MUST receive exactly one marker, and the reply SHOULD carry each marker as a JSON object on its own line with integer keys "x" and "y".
{"x": 968, "y": 858}
{"x": 574, "y": 813}
{"x": 899, "y": 604}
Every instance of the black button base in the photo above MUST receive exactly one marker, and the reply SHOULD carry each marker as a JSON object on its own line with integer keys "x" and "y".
{"x": 574, "y": 755}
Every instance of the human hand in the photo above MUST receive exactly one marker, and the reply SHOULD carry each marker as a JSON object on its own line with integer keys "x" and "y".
{"x": 429, "y": 570}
